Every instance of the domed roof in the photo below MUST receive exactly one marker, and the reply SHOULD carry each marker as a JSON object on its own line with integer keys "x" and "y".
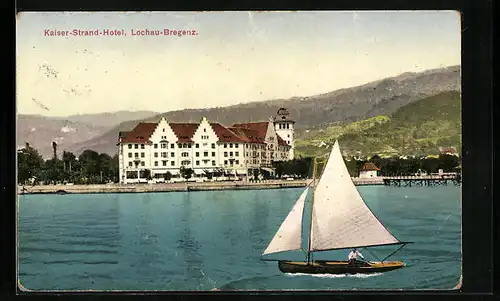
{"x": 283, "y": 115}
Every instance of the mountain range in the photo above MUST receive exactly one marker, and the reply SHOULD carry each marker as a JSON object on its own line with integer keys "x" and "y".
{"x": 417, "y": 129}
{"x": 383, "y": 97}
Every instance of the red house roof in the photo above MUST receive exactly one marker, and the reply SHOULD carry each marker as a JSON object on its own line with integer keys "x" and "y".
{"x": 242, "y": 132}
{"x": 259, "y": 127}
{"x": 184, "y": 131}
{"x": 224, "y": 134}
{"x": 281, "y": 141}
{"x": 140, "y": 134}
{"x": 369, "y": 167}
{"x": 248, "y": 135}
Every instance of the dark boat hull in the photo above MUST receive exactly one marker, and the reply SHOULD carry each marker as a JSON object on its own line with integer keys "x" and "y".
{"x": 338, "y": 267}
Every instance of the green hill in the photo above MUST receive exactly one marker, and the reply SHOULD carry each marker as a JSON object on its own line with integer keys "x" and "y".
{"x": 418, "y": 128}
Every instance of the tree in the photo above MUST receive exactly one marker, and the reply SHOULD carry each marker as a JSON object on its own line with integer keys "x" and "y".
{"x": 145, "y": 174}
{"x": 448, "y": 162}
{"x": 168, "y": 176}
{"x": 256, "y": 173}
{"x": 52, "y": 171}
{"x": 29, "y": 164}
{"x": 208, "y": 174}
{"x": 186, "y": 173}
{"x": 90, "y": 168}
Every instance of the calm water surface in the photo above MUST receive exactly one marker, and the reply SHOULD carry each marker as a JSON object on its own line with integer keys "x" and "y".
{"x": 202, "y": 240}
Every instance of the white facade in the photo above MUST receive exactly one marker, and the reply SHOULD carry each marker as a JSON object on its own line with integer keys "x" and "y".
{"x": 364, "y": 174}
{"x": 284, "y": 127}
{"x": 159, "y": 149}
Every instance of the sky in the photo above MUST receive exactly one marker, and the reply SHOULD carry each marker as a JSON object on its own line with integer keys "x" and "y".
{"x": 234, "y": 57}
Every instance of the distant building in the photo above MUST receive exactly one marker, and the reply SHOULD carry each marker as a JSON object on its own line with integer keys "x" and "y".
{"x": 368, "y": 170}
{"x": 205, "y": 146}
{"x": 448, "y": 151}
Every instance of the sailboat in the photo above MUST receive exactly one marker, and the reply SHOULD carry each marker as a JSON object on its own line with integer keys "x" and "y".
{"x": 339, "y": 219}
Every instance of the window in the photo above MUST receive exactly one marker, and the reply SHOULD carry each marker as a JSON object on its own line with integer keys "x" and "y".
{"x": 213, "y": 145}
{"x": 136, "y": 146}
{"x": 164, "y": 130}
{"x": 185, "y": 154}
{"x": 156, "y": 155}
{"x": 163, "y": 145}
{"x": 287, "y": 125}
{"x": 213, "y": 154}
{"x": 225, "y": 154}
{"x": 225, "y": 145}
{"x": 172, "y": 145}
{"x": 237, "y": 154}
{"x": 225, "y": 162}
{"x": 205, "y": 154}
{"x": 172, "y": 163}
{"x": 164, "y": 154}
{"x": 155, "y": 145}
{"x": 205, "y": 130}
{"x": 230, "y": 154}
{"x": 142, "y": 155}
{"x": 143, "y": 163}
{"x": 172, "y": 154}
{"x": 156, "y": 163}
{"x": 189, "y": 145}
{"x": 197, "y": 162}
{"x": 130, "y": 146}
{"x": 142, "y": 146}
{"x": 136, "y": 155}
{"x": 165, "y": 162}
{"x": 236, "y": 145}
{"x": 237, "y": 161}
{"x": 129, "y": 163}
{"x": 288, "y": 136}
{"x": 197, "y": 145}
{"x": 179, "y": 145}
{"x": 197, "y": 154}
{"x": 185, "y": 162}
{"x": 130, "y": 155}
{"x": 213, "y": 162}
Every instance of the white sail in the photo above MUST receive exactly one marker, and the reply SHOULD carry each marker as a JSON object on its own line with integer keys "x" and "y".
{"x": 340, "y": 217}
{"x": 289, "y": 235}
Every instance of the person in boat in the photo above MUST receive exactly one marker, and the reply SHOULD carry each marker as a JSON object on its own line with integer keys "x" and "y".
{"x": 353, "y": 257}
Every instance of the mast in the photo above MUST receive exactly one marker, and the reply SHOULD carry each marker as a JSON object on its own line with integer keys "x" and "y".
{"x": 310, "y": 215}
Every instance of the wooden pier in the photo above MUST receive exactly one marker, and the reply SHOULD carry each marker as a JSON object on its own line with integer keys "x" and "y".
{"x": 431, "y": 180}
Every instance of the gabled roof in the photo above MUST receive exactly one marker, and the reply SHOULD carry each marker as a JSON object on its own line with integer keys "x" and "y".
{"x": 248, "y": 135}
{"x": 184, "y": 131}
{"x": 241, "y": 132}
{"x": 450, "y": 149}
{"x": 140, "y": 134}
{"x": 368, "y": 166}
{"x": 224, "y": 134}
{"x": 259, "y": 127}
{"x": 281, "y": 141}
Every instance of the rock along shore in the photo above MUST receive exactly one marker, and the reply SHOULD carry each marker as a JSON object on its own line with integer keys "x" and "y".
{"x": 173, "y": 187}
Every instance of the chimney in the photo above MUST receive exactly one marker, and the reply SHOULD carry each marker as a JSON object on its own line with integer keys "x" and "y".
{"x": 54, "y": 147}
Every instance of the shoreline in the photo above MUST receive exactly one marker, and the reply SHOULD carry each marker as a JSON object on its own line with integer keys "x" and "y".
{"x": 174, "y": 187}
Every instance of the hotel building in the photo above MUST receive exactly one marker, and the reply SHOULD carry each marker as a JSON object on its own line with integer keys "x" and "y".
{"x": 205, "y": 146}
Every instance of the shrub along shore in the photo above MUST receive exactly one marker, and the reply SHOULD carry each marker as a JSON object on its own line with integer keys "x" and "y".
{"x": 173, "y": 187}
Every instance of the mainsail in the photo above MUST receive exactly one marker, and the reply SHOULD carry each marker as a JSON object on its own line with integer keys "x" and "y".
{"x": 289, "y": 235}
{"x": 340, "y": 217}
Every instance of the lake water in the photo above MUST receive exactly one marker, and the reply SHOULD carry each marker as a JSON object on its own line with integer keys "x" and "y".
{"x": 201, "y": 240}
